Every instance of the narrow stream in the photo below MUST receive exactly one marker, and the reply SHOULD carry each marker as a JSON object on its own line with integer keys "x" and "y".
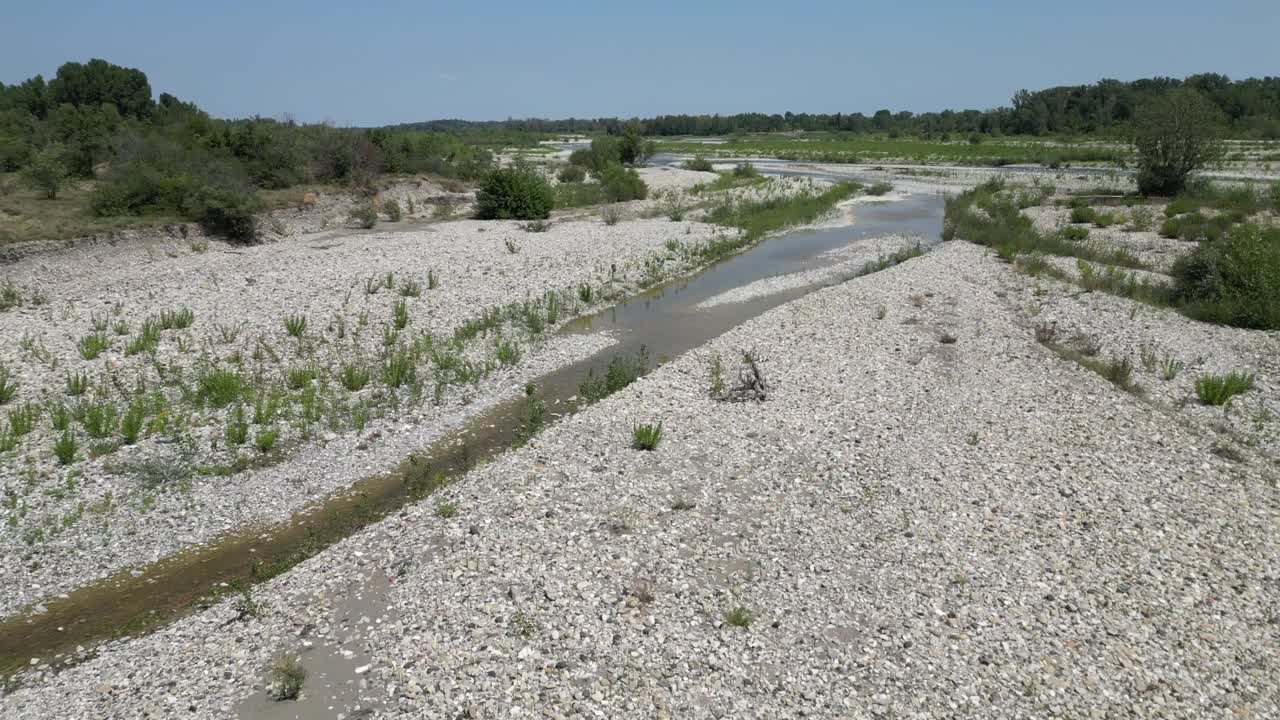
{"x": 664, "y": 320}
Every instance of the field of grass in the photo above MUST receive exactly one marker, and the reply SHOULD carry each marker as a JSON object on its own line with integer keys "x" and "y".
{"x": 845, "y": 148}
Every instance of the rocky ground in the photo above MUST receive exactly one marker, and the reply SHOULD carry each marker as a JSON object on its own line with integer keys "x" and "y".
{"x": 404, "y": 290}
{"x": 932, "y": 515}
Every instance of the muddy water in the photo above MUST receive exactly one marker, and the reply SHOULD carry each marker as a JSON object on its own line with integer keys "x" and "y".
{"x": 664, "y": 320}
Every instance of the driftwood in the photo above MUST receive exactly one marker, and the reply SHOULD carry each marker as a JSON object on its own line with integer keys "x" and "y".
{"x": 752, "y": 385}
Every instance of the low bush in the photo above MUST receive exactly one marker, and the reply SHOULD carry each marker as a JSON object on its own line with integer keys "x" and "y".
{"x": 364, "y": 215}
{"x": 621, "y": 184}
{"x": 1235, "y": 281}
{"x": 392, "y": 209}
{"x": 514, "y": 193}
{"x": 880, "y": 188}
{"x": 571, "y": 174}
{"x": 699, "y": 164}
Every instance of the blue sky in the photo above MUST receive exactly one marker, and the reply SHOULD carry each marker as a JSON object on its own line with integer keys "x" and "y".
{"x": 386, "y": 62}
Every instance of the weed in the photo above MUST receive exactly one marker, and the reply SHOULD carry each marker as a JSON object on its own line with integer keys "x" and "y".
{"x": 880, "y": 188}
{"x": 60, "y": 417}
{"x": 611, "y": 215}
{"x": 219, "y": 388}
{"x": 91, "y": 346}
{"x": 717, "y": 376}
{"x": 392, "y": 209}
{"x": 533, "y": 417}
{"x": 400, "y": 315}
{"x": 179, "y": 319}
{"x": 621, "y": 372}
{"x": 410, "y": 288}
{"x": 399, "y": 369}
{"x": 296, "y": 325}
{"x": 585, "y": 293}
{"x": 536, "y": 226}
{"x": 1227, "y": 451}
{"x": 446, "y": 510}
{"x": 1046, "y": 333}
{"x": 354, "y": 377}
{"x": 265, "y": 440}
{"x": 147, "y": 339}
{"x": 645, "y": 436}
{"x": 364, "y": 215}
{"x": 65, "y": 448}
{"x": 77, "y": 384}
{"x": 512, "y": 246}
{"x": 132, "y": 423}
{"x": 99, "y": 418}
{"x": 522, "y": 625}
{"x": 738, "y": 617}
{"x": 289, "y": 675}
{"x": 372, "y": 286}
{"x": 881, "y": 312}
{"x": 553, "y": 308}
{"x": 508, "y": 353}
{"x": 1075, "y": 232}
{"x": 120, "y": 327}
{"x": 237, "y": 431}
{"x": 1170, "y": 368}
{"x": 22, "y": 419}
{"x": 1218, "y": 389}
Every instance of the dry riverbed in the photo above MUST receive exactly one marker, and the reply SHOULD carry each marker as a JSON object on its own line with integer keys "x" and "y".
{"x": 932, "y": 514}
{"x": 164, "y": 395}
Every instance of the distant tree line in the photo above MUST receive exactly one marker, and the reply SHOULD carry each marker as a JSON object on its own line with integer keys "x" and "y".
{"x": 1251, "y": 108}
{"x": 99, "y": 120}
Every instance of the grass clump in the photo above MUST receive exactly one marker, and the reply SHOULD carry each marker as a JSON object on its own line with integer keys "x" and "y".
{"x": 91, "y": 346}
{"x": 392, "y": 209}
{"x": 147, "y": 339}
{"x": 265, "y": 440}
{"x": 757, "y": 218}
{"x": 1219, "y": 389}
{"x": 77, "y": 384}
{"x": 410, "y": 288}
{"x": 296, "y": 325}
{"x": 646, "y": 436}
{"x": 400, "y": 315}
{"x": 533, "y": 417}
{"x": 219, "y": 388}
{"x": 611, "y": 215}
{"x": 179, "y": 319}
{"x": 507, "y": 353}
{"x": 237, "y": 431}
{"x": 131, "y": 425}
{"x": 353, "y": 377}
{"x": 399, "y": 369}
{"x": 288, "y": 675}
{"x": 738, "y": 617}
{"x": 8, "y": 386}
{"x": 65, "y": 448}
{"x": 622, "y": 371}
{"x": 22, "y": 419}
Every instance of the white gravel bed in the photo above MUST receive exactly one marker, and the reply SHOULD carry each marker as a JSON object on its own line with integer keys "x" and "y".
{"x": 114, "y": 505}
{"x": 843, "y": 262}
{"x": 913, "y": 528}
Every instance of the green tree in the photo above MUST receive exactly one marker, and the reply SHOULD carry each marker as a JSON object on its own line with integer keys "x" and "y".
{"x": 632, "y": 148}
{"x": 1175, "y": 133}
{"x": 47, "y": 171}
{"x": 98, "y": 81}
{"x": 516, "y": 193}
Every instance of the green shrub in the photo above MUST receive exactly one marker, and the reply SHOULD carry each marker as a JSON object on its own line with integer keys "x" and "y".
{"x": 1218, "y": 389}
{"x": 1083, "y": 214}
{"x": 700, "y": 164}
{"x": 646, "y": 436}
{"x": 392, "y": 209}
{"x": 571, "y": 174}
{"x": 514, "y": 193}
{"x": 621, "y": 184}
{"x": 1235, "y": 281}
{"x": 364, "y": 215}
{"x": 581, "y": 158}
{"x": 47, "y": 171}
{"x": 1075, "y": 232}
{"x": 880, "y": 188}
{"x": 745, "y": 170}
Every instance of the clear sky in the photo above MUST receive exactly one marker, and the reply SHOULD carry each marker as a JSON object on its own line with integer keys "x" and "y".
{"x": 375, "y": 63}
